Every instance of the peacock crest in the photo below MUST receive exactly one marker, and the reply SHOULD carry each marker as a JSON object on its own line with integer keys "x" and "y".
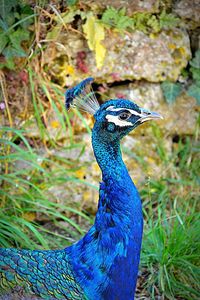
{"x": 82, "y": 97}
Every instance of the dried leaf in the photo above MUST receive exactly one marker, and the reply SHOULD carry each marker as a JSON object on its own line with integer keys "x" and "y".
{"x": 95, "y": 34}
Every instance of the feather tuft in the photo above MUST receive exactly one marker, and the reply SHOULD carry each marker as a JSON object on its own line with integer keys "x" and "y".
{"x": 82, "y": 97}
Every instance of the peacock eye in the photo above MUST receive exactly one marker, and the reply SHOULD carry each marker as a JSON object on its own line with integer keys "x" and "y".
{"x": 124, "y": 116}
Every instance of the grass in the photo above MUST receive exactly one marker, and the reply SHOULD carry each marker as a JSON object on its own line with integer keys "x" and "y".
{"x": 26, "y": 178}
{"x": 171, "y": 243}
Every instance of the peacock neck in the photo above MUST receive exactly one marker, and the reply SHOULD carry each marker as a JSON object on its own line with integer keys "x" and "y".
{"x": 108, "y": 156}
{"x": 106, "y": 260}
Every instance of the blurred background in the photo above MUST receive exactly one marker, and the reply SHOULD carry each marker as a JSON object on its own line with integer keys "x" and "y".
{"x": 145, "y": 51}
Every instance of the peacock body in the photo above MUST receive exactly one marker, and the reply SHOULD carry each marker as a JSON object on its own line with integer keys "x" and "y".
{"x": 104, "y": 263}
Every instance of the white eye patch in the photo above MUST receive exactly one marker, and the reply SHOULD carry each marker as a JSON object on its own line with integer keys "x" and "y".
{"x": 117, "y": 121}
{"x": 133, "y": 112}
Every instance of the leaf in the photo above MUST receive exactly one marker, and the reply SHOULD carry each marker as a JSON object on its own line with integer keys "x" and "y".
{"x": 71, "y": 2}
{"x": 16, "y": 37}
{"x": 194, "y": 91}
{"x": 3, "y": 41}
{"x": 154, "y": 23}
{"x": 6, "y": 6}
{"x": 171, "y": 91}
{"x": 117, "y": 18}
{"x": 195, "y": 62}
{"x": 54, "y": 33}
{"x": 11, "y": 51}
{"x": 66, "y": 17}
{"x": 9, "y": 63}
{"x": 196, "y": 75}
{"x": 168, "y": 20}
{"x": 95, "y": 33}
{"x": 3, "y": 25}
{"x": 62, "y": 19}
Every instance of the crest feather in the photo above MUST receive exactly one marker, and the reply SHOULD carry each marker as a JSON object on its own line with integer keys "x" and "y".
{"x": 82, "y": 96}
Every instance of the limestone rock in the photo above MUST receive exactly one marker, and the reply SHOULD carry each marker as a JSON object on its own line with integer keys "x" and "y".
{"x": 131, "y": 56}
{"x": 140, "y": 56}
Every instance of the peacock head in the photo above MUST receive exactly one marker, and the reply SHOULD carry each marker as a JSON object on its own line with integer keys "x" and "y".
{"x": 115, "y": 118}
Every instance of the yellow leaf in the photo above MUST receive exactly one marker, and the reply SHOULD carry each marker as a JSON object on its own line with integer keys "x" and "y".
{"x": 95, "y": 34}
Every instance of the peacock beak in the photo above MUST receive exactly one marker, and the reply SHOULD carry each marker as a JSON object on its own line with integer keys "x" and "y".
{"x": 147, "y": 115}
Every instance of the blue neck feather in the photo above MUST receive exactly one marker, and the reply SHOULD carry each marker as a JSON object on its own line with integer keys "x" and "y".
{"x": 106, "y": 259}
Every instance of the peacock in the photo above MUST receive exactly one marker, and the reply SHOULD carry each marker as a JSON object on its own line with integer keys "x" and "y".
{"x": 103, "y": 265}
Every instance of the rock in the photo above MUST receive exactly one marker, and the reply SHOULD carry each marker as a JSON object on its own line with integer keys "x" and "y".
{"x": 151, "y": 6}
{"x": 188, "y": 10}
{"x": 130, "y": 56}
{"x": 179, "y": 118}
{"x": 140, "y": 56}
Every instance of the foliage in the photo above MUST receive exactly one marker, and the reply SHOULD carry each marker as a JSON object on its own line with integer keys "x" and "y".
{"x": 168, "y": 21}
{"x": 24, "y": 195}
{"x": 194, "y": 89}
{"x": 145, "y": 22}
{"x": 171, "y": 243}
{"x": 95, "y": 34}
{"x": 71, "y": 2}
{"x": 171, "y": 253}
{"x": 171, "y": 90}
{"x": 117, "y": 19}
{"x": 14, "y": 22}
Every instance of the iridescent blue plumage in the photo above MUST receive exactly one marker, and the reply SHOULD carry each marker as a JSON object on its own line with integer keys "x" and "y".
{"x": 104, "y": 263}
{"x": 70, "y": 94}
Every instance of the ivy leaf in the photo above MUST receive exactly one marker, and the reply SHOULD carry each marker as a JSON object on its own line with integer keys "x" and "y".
{"x": 194, "y": 91}
{"x": 195, "y": 62}
{"x": 95, "y": 34}
{"x": 171, "y": 91}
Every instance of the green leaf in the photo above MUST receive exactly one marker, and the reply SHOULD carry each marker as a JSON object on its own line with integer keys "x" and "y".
{"x": 171, "y": 91}
{"x": 3, "y": 41}
{"x": 9, "y": 19}
{"x": 196, "y": 75}
{"x": 3, "y": 25}
{"x": 71, "y": 2}
{"x": 9, "y": 63}
{"x": 153, "y": 22}
{"x": 195, "y": 62}
{"x": 11, "y": 51}
{"x": 168, "y": 20}
{"x": 117, "y": 19}
{"x": 194, "y": 91}
{"x": 6, "y": 7}
{"x": 16, "y": 37}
